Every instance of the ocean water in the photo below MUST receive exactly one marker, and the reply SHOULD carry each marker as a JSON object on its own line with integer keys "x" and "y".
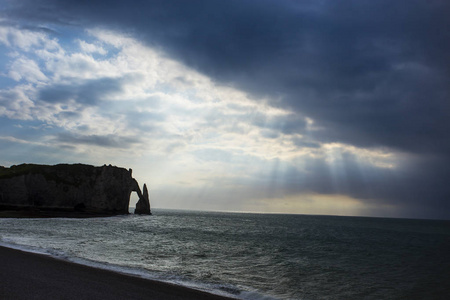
{"x": 255, "y": 256}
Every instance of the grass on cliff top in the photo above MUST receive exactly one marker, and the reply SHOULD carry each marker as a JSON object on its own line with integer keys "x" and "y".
{"x": 50, "y": 214}
{"x": 17, "y": 170}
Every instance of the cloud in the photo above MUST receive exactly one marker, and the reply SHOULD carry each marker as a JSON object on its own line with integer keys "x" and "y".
{"x": 26, "y": 69}
{"x": 15, "y": 102}
{"x": 16, "y": 140}
{"x": 136, "y": 89}
{"x": 87, "y": 93}
{"x": 107, "y": 141}
{"x": 91, "y": 48}
{"x": 26, "y": 40}
{"x": 356, "y": 68}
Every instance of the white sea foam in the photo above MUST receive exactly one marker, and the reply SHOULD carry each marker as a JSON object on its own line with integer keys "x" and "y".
{"x": 172, "y": 279}
{"x": 8, "y": 243}
{"x": 254, "y": 296}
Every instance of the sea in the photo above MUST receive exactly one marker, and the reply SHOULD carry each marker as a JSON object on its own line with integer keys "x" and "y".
{"x": 254, "y": 256}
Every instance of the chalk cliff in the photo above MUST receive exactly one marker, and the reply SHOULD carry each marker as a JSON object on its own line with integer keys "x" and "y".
{"x": 71, "y": 188}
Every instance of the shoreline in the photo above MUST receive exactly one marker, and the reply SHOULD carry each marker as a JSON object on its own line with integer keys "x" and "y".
{"x": 27, "y": 275}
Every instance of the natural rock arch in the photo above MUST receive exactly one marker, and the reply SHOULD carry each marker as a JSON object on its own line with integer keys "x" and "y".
{"x": 143, "y": 205}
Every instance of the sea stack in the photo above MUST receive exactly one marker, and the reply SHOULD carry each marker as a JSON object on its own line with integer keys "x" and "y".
{"x": 77, "y": 189}
{"x": 143, "y": 205}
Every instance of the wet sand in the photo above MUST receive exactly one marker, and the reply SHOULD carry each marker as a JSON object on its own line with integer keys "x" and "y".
{"x": 33, "y": 276}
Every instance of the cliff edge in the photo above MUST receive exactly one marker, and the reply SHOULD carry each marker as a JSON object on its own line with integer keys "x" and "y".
{"x": 77, "y": 188}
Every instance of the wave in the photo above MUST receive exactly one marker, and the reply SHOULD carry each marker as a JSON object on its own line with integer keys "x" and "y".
{"x": 216, "y": 289}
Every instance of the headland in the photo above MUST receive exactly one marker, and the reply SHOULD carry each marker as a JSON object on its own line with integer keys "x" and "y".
{"x": 68, "y": 190}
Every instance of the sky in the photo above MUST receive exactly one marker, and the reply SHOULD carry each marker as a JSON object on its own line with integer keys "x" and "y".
{"x": 276, "y": 106}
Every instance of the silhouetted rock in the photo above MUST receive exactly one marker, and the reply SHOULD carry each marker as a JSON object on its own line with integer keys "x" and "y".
{"x": 143, "y": 205}
{"x": 70, "y": 188}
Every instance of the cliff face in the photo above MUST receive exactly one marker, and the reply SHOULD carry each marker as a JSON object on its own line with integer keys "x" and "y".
{"x": 78, "y": 188}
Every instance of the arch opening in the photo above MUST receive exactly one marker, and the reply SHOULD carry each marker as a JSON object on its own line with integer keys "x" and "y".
{"x": 133, "y": 199}
{"x": 142, "y": 206}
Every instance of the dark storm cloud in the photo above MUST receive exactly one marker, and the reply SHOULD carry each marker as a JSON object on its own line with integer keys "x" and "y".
{"x": 369, "y": 73}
